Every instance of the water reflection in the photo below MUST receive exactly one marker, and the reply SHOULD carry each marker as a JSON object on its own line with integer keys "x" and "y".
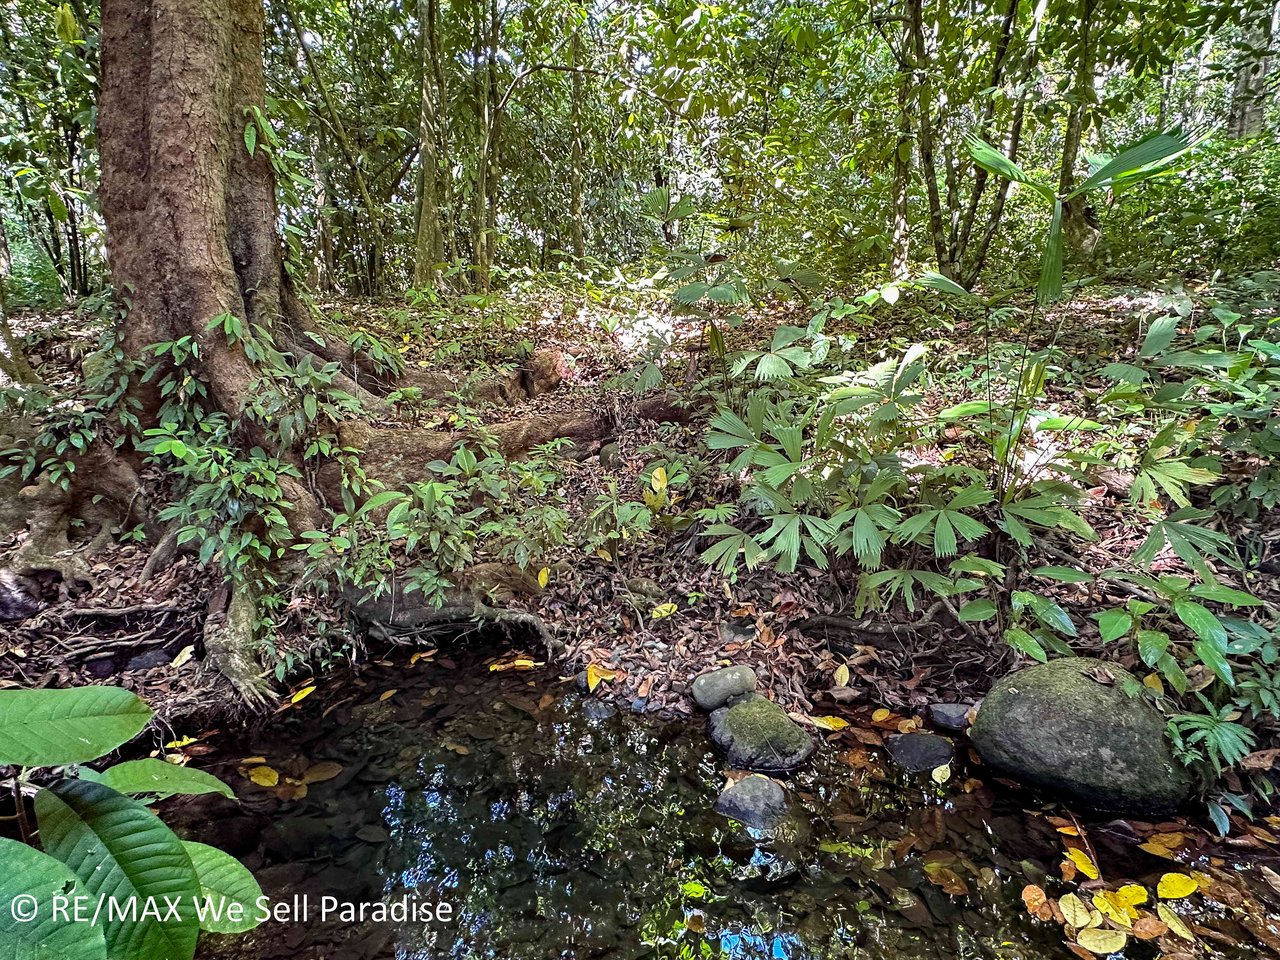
{"x": 558, "y": 835}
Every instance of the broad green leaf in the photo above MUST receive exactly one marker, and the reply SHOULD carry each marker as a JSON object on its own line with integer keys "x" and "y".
{"x": 1114, "y": 624}
{"x": 976, "y": 611}
{"x": 993, "y": 161}
{"x": 44, "y": 728}
{"x": 1159, "y": 335}
{"x": 1144, "y": 159}
{"x": 154, "y": 777}
{"x": 1201, "y": 621}
{"x": 227, "y": 890}
{"x": 121, "y": 850}
{"x": 936, "y": 281}
{"x": 25, "y": 871}
{"x": 1019, "y": 639}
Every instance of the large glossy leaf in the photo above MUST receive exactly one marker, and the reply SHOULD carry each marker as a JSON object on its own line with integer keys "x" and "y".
{"x": 152, "y": 777}
{"x": 1144, "y": 159}
{"x": 25, "y": 872}
{"x": 42, "y": 728}
{"x": 227, "y": 888}
{"x": 120, "y": 850}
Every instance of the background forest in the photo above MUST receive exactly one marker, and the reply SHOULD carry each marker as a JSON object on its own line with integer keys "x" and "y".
{"x": 455, "y": 146}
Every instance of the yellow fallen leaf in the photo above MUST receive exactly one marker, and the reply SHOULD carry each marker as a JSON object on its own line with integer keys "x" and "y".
{"x": 940, "y": 775}
{"x": 830, "y": 723}
{"x": 544, "y": 576}
{"x": 841, "y": 677}
{"x": 1203, "y": 880}
{"x": 184, "y": 655}
{"x": 253, "y": 761}
{"x": 1132, "y": 894}
{"x": 1175, "y": 886}
{"x": 1107, "y": 906}
{"x": 604, "y": 555}
{"x": 880, "y": 716}
{"x": 179, "y": 744}
{"x": 1153, "y": 682}
{"x": 663, "y": 610}
{"x": 387, "y": 696}
{"x": 1083, "y": 863}
{"x": 302, "y": 694}
{"x": 1075, "y": 912}
{"x": 596, "y": 674}
{"x": 421, "y": 655}
{"x": 264, "y": 776}
{"x": 658, "y": 479}
{"x": 1177, "y": 926}
{"x": 1102, "y": 942}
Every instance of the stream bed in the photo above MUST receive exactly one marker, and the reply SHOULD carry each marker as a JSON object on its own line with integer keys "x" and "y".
{"x": 556, "y": 826}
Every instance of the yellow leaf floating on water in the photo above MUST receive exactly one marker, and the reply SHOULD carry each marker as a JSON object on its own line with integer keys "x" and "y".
{"x": 1175, "y": 886}
{"x": 663, "y": 610}
{"x": 1083, "y": 863}
{"x": 264, "y": 776}
{"x": 302, "y": 694}
{"x": 596, "y": 674}
{"x": 1177, "y": 926}
{"x": 941, "y": 775}
{"x": 1132, "y": 895}
{"x": 1102, "y": 942}
{"x": 1075, "y": 912}
{"x": 1107, "y": 906}
{"x": 830, "y": 723}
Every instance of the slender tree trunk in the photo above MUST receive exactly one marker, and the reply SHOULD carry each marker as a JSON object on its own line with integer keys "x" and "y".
{"x": 1076, "y": 229}
{"x": 900, "y": 235}
{"x": 577, "y": 218}
{"x": 917, "y": 55}
{"x": 13, "y": 361}
{"x": 429, "y": 245}
{"x": 377, "y": 246}
{"x": 1250, "y": 93}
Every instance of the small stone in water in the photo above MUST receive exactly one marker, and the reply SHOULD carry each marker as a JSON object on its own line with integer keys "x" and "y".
{"x": 919, "y": 752}
{"x": 754, "y": 801}
{"x": 713, "y": 690}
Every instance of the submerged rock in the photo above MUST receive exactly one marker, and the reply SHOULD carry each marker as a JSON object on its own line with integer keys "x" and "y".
{"x": 757, "y": 734}
{"x": 1059, "y": 726}
{"x": 713, "y": 690}
{"x": 755, "y": 801}
{"x": 919, "y": 752}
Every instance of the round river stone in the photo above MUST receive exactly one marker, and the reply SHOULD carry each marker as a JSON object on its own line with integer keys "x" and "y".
{"x": 757, "y": 734}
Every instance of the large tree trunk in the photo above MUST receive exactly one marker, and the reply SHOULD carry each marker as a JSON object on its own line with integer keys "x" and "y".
{"x": 1250, "y": 93}
{"x": 190, "y": 213}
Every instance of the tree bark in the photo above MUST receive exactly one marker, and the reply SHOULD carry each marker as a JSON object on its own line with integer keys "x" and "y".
{"x": 1250, "y": 92}
{"x": 429, "y": 243}
{"x": 1076, "y": 229}
{"x": 190, "y": 213}
{"x": 900, "y": 237}
{"x": 577, "y": 225}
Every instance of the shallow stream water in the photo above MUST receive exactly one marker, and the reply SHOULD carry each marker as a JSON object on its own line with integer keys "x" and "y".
{"x": 558, "y": 827}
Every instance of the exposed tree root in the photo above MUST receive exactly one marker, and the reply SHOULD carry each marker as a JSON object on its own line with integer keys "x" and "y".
{"x": 230, "y": 642}
{"x": 541, "y": 373}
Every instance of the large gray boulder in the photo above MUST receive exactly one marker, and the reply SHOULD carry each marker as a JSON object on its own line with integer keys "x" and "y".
{"x": 1062, "y": 727}
{"x": 756, "y": 734}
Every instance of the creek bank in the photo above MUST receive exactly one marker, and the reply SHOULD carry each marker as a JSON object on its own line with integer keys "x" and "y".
{"x": 1081, "y": 730}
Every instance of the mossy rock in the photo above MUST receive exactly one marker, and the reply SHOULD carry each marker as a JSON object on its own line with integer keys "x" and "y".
{"x": 1055, "y": 726}
{"x": 756, "y": 734}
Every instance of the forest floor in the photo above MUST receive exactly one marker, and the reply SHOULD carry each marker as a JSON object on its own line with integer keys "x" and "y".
{"x": 796, "y": 630}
